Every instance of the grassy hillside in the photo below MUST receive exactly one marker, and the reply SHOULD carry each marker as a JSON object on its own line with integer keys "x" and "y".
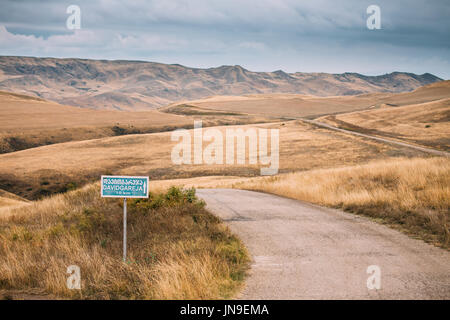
{"x": 38, "y": 172}
{"x": 176, "y": 249}
{"x": 10, "y": 199}
{"x": 412, "y": 195}
{"x": 27, "y": 122}
{"x": 279, "y": 105}
{"x": 309, "y": 106}
{"x": 431, "y": 92}
{"x": 425, "y": 124}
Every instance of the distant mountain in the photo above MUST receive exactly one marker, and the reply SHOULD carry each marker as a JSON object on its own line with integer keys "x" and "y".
{"x": 138, "y": 85}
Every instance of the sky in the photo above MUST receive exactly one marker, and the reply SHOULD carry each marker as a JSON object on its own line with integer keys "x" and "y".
{"x": 260, "y": 35}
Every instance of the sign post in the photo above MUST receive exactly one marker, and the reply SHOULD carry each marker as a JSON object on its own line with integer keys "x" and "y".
{"x": 124, "y": 229}
{"x": 124, "y": 187}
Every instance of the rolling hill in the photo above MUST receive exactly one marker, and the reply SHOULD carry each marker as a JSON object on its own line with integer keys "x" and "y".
{"x": 412, "y": 117}
{"x": 138, "y": 85}
{"x": 38, "y": 172}
{"x": 27, "y": 122}
{"x": 297, "y": 105}
{"x": 10, "y": 199}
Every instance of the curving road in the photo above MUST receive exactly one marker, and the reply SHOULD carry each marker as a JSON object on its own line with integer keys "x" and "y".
{"x": 385, "y": 140}
{"x": 303, "y": 251}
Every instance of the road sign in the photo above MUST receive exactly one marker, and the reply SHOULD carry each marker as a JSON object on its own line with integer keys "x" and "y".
{"x": 124, "y": 187}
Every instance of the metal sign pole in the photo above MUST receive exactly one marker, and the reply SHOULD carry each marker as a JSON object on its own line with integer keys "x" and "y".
{"x": 124, "y": 229}
{"x": 124, "y": 187}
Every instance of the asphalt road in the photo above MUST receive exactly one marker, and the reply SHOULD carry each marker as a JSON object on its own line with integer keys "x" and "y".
{"x": 303, "y": 251}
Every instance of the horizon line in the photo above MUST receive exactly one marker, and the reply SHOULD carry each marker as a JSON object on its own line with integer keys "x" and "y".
{"x": 221, "y": 66}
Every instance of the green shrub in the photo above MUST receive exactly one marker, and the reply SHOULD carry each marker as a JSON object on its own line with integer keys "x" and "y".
{"x": 175, "y": 196}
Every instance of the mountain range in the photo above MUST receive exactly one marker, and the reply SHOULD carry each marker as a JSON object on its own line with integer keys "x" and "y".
{"x": 140, "y": 85}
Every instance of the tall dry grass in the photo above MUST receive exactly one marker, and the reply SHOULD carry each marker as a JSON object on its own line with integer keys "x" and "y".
{"x": 176, "y": 249}
{"x": 410, "y": 194}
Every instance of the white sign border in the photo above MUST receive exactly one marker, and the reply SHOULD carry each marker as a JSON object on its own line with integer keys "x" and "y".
{"x": 129, "y": 197}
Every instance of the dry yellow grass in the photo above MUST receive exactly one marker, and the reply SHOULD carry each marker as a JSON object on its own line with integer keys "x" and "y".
{"x": 298, "y": 105}
{"x": 283, "y": 105}
{"x": 27, "y": 122}
{"x": 8, "y": 199}
{"x": 37, "y": 172}
{"x": 425, "y": 124}
{"x": 432, "y": 92}
{"x": 410, "y": 194}
{"x": 176, "y": 249}
{"x": 20, "y": 113}
{"x": 6, "y": 202}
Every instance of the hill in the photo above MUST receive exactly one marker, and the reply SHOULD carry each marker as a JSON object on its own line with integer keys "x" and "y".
{"x": 39, "y": 172}
{"x": 10, "y": 199}
{"x": 138, "y": 85}
{"x": 30, "y": 122}
{"x": 27, "y": 122}
{"x": 281, "y": 105}
{"x": 421, "y": 117}
{"x": 296, "y": 105}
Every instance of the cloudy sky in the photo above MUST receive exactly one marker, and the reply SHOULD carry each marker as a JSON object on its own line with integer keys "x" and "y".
{"x": 260, "y": 35}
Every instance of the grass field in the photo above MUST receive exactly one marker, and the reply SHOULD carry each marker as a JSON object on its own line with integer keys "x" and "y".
{"x": 280, "y": 105}
{"x": 294, "y": 105}
{"x": 184, "y": 252}
{"x": 8, "y": 199}
{"x": 426, "y": 124}
{"x": 38, "y": 172}
{"x": 176, "y": 249}
{"x": 27, "y": 122}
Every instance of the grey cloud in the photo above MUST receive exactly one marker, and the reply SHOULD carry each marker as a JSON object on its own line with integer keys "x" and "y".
{"x": 292, "y": 35}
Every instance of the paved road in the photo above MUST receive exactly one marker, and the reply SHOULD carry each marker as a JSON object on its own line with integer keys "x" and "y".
{"x": 303, "y": 251}
{"x": 403, "y": 144}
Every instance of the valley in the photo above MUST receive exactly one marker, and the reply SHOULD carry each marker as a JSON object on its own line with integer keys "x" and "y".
{"x": 54, "y": 152}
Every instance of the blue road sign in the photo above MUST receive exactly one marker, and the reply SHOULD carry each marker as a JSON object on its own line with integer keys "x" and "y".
{"x": 124, "y": 187}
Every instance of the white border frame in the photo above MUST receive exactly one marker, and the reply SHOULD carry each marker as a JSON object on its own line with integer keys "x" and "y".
{"x": 129, "y": 197}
